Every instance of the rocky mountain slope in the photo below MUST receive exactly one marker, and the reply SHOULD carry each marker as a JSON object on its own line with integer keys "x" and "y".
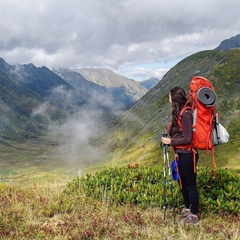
{"x": 107, "y": 78}
{"x": 111, "y": 96}
{"x": 149, "y": 83}
{"x": 23, "y": 90}
{"x": 233, "y": 42}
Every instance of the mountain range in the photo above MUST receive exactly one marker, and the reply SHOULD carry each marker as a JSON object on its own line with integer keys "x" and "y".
{"x": 81, "y": 118}
{"x": 115, "y": 91}
{"x": 36, "y": 96}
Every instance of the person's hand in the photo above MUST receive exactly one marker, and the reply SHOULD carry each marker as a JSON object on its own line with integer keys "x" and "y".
{"x": 166, "y": 140}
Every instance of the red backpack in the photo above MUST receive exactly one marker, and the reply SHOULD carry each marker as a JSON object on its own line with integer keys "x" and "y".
{"x": 202, "y": 98}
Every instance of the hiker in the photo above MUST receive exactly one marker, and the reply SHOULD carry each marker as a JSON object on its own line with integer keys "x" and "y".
{"x": 181, "y": 141}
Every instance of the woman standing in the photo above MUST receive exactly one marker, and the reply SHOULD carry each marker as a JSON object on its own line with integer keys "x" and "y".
{"x": 181, "y": 137}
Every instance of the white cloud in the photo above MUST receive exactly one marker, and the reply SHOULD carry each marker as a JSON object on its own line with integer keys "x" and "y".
{"x": 143, "y": 73}
{"x": 114, "y": 34}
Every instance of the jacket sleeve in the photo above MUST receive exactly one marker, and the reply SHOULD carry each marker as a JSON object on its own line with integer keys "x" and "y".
{"x": 185, "y": 136}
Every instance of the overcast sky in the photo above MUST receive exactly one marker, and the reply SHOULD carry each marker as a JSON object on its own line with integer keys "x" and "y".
{"x": 135, "y": 38}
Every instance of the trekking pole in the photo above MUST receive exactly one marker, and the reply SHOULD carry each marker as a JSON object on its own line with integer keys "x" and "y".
{"x": 166, "y": 164}
{"x": 170, "y": 181}
{"x": 164, "y": 181}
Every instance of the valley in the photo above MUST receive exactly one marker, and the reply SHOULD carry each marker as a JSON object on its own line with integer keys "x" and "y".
{"x": 51, "y": 130}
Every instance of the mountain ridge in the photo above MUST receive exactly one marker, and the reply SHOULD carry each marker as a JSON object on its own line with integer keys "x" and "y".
{"x": 233, "y": 42}
{"x": 107, "y": 78}
{"x": 103, "y": 76}
{"x": 149, "y": 83}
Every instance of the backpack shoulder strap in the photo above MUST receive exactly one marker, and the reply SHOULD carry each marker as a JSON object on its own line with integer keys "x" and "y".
{"x": 184, "y": 109}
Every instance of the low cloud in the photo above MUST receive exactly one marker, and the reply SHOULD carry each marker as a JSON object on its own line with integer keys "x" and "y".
{"x": 76, "y": 146}
{"x": 41, "y": 110}
{"x": 75, "y": 135}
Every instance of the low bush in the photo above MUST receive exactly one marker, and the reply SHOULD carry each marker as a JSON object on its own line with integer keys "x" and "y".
{"x": 144, "y": 186}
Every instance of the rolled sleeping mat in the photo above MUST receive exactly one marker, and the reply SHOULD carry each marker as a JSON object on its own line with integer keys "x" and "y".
{"x": 207, "y": 96}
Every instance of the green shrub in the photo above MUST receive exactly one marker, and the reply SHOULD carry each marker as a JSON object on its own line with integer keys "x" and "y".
{"x": 220, "y": 193}
{"x": 143, "y": 186}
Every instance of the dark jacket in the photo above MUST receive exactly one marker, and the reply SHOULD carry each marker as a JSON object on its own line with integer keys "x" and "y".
{"x": 184, "y": 137}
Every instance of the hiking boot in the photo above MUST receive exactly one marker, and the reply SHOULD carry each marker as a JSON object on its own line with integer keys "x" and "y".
{"x": 185, "y": 213}
{"x": 190, "y": 219}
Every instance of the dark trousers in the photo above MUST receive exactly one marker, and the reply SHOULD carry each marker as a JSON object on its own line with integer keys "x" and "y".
{"x": 188, "y": 180}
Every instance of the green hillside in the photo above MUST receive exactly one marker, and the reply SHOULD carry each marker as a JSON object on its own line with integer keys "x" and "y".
{"x": 135, "y": 137}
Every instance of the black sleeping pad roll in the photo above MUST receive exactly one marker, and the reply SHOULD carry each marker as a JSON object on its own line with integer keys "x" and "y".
{"x": 207, "y": 96}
